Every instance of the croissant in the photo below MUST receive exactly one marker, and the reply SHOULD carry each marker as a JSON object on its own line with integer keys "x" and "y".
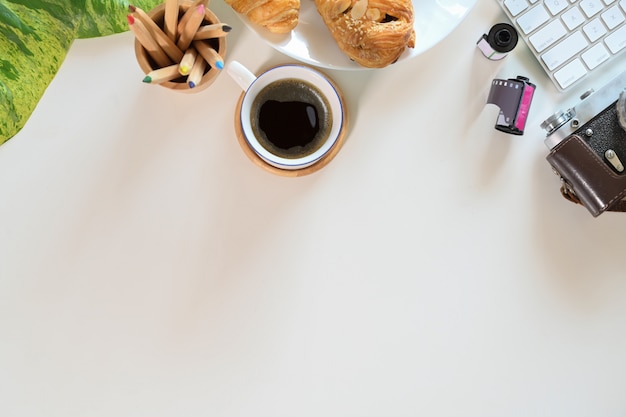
{"x": 278, "y": 16}
{"x": 373, "y": 33}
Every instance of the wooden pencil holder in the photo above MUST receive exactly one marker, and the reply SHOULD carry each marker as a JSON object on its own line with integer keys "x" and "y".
{"x": 180, "y": 84}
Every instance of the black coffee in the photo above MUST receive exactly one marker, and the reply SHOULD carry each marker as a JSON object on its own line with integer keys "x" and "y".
{"x": 291, "y": 118}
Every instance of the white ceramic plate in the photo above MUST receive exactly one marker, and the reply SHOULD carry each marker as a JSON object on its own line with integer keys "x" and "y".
{"x": 310, "y": 42}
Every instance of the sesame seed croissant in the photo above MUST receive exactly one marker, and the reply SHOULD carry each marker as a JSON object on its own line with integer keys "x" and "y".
{"x": 278, "y": 16}
{"x": 373, "y": 33}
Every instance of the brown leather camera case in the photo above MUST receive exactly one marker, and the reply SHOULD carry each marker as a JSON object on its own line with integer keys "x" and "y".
{"x": 588, "y": 180}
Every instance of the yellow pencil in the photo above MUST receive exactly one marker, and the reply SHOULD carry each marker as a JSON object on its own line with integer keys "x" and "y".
{"x": 197, "y": 72}
{"x": 168, "y": 46}
{"x": 148, "y": 42}
{"x": 216, "y": 30}
{"x": 191, "y": 27}
{"x": 170, "y": 23}
{"x": 209, "y": 54}
{"x": 187, "y": 62}
{"x": 162, "y": 75}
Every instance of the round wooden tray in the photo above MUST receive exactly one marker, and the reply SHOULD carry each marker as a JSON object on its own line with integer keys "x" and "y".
{"x": 292, "y": 172}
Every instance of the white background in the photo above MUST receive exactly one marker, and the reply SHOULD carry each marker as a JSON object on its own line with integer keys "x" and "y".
{"x": 149, "y": 268}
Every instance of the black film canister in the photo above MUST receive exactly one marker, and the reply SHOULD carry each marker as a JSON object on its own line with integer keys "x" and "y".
{"x": 501, "y": 39}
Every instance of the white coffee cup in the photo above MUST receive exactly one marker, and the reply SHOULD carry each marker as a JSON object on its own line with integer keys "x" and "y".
{"x": 330, "y": 125}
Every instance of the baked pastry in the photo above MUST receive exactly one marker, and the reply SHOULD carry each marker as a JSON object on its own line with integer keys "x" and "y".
{"x": 371, "y": 32}
{"x": 278, "y": 16}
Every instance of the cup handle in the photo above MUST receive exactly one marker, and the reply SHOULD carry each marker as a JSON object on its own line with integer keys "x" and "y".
{"x": 242, "y": 75}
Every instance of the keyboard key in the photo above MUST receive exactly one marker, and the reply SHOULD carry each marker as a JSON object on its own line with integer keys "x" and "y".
{"x": 612, "y": 17}
{"x": 533, "y": 19}
{"x": 616, "y": 41}
{"x": 573, "y": 18}
{"x": 591, "y": 7}
{"x": 556, "y": 6}
{"x": 570, "y": 73}
{"x": 547, "y": 35}
{"x": 564, "y": 50}
{"x": 515, "y": 7}
{"x": 595, "y": 56}
{"x": 571, "y": 38}
{"x": 594, "y": 30}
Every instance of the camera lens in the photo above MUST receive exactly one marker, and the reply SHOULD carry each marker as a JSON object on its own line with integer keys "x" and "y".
{"x": 558, "y": 119}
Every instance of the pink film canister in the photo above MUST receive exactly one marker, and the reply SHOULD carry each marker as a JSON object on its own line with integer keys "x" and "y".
{"x": 513, "y": 96}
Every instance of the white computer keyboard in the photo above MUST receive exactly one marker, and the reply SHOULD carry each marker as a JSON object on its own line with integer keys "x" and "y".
{"x": 570, "y": 38}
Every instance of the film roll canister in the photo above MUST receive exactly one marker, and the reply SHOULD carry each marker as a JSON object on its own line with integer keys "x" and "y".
{"x": 501, "y": 39}
{"x": 513, "y": 96}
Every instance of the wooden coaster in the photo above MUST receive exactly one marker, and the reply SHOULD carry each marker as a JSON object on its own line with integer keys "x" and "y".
{"x": 322, "y": 162}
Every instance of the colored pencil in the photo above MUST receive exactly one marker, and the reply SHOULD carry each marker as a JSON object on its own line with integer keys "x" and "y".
{"x": 209, "y": 54}
{"x": 162, "y": 75}
{"x": 196, "y": 73}
{"x": 187, "y": 62}
{"x": 183, "y": 20}
{"x": 148, "y": 42}
{"x": 168, "y": 46}
{"x": 216, "y": 30}
{"x": 187, "y": 12}
{"x": 187, "y": 9}
{"x": 170, "y": 23}
{"x": 185, "y": 5}
{"x": 190, "y": 28}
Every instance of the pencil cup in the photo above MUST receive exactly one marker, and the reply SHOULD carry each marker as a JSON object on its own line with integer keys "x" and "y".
{"x": 166, "y": 51}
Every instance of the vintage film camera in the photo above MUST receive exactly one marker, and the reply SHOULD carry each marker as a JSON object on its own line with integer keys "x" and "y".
{"x": 588, "y": 148}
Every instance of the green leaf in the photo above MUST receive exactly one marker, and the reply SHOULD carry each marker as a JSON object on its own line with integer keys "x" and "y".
{"x": 35, "y": 36}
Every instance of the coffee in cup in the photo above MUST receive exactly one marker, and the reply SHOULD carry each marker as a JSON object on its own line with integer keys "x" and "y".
{"x": 291, "y": 115}
{"x": 291, "y": 118}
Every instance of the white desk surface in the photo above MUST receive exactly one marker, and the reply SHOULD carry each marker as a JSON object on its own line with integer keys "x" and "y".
{"x": 149, "y": 268}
